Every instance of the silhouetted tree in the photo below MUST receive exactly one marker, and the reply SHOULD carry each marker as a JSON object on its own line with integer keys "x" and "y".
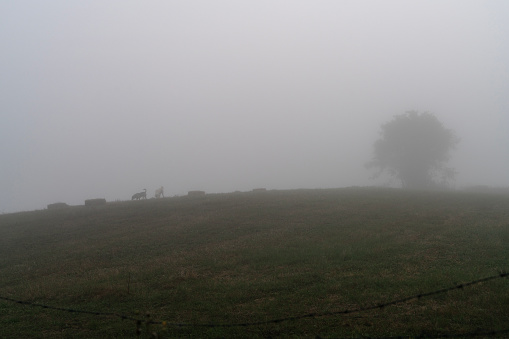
{"x": 414, "y": 147}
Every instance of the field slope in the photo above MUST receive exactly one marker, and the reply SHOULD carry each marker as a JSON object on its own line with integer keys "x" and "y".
{"x": 256, "y": 257}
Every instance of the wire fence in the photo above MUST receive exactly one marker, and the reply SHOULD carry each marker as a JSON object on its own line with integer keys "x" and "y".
{"x": 148, "y": 321}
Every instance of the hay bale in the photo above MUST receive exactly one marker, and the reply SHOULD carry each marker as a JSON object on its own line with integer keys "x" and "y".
{"x": 195, "y": 193}
{"x": 95, "y": 202}
{"x": 57, "y": 205}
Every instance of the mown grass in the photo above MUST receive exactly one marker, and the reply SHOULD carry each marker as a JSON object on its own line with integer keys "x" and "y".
{"x": 249, "y": 257}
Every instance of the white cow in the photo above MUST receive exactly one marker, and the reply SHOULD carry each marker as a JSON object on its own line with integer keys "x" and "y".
{"x": 160, "y": 192}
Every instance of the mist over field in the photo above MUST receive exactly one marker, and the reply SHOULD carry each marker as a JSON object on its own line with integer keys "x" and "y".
{"x": 103, "y": 99}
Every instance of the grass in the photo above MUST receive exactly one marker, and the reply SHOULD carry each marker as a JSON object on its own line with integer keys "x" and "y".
{"x": 249, "y": 257}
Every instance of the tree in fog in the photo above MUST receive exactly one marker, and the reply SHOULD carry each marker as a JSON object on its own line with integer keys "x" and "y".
{"x": 414, "y": 148}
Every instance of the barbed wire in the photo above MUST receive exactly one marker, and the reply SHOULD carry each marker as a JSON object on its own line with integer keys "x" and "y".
{"x": 70, "y": 310}
{"x": 346, "y": 311}
{"x": 291, "y": 318}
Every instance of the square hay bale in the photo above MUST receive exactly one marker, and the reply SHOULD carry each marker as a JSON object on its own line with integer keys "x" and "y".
{"x": 196, "y": 193}
{"x": 57, "y": 205}
{"x": 259, "y": 189}
{"x": 95, "y": 202}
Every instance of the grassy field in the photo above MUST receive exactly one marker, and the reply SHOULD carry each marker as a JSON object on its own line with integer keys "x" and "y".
{"x": 254, "y": 257}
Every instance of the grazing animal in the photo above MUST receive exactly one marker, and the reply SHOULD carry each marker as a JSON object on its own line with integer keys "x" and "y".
{"x": 141, "y": 195}
{"x": 159, "y": 192}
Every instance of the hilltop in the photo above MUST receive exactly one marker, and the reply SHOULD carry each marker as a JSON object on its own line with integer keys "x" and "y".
{"x": 259, "y": 256}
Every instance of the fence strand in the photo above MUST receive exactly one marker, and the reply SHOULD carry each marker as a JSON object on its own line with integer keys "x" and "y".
{"x": 346, "y": 311}
{"x": 285, "y": 319}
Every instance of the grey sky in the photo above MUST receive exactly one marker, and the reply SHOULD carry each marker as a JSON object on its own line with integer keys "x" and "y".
{"x": 105, "y": 98}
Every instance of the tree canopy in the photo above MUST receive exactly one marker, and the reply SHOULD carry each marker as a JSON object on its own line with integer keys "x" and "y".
{"x": 414, "y": 148}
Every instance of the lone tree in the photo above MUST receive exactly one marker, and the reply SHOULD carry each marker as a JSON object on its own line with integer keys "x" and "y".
{"x": 414, "y": 147}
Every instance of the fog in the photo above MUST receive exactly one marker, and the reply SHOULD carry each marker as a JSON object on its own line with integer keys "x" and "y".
{"x": 101, "y": 99}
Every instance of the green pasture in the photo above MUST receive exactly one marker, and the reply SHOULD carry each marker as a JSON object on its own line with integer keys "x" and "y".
{"x": 254, "y": 257}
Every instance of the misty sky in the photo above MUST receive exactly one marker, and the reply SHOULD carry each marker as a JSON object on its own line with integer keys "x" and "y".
{"x": 100, "y": 99}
